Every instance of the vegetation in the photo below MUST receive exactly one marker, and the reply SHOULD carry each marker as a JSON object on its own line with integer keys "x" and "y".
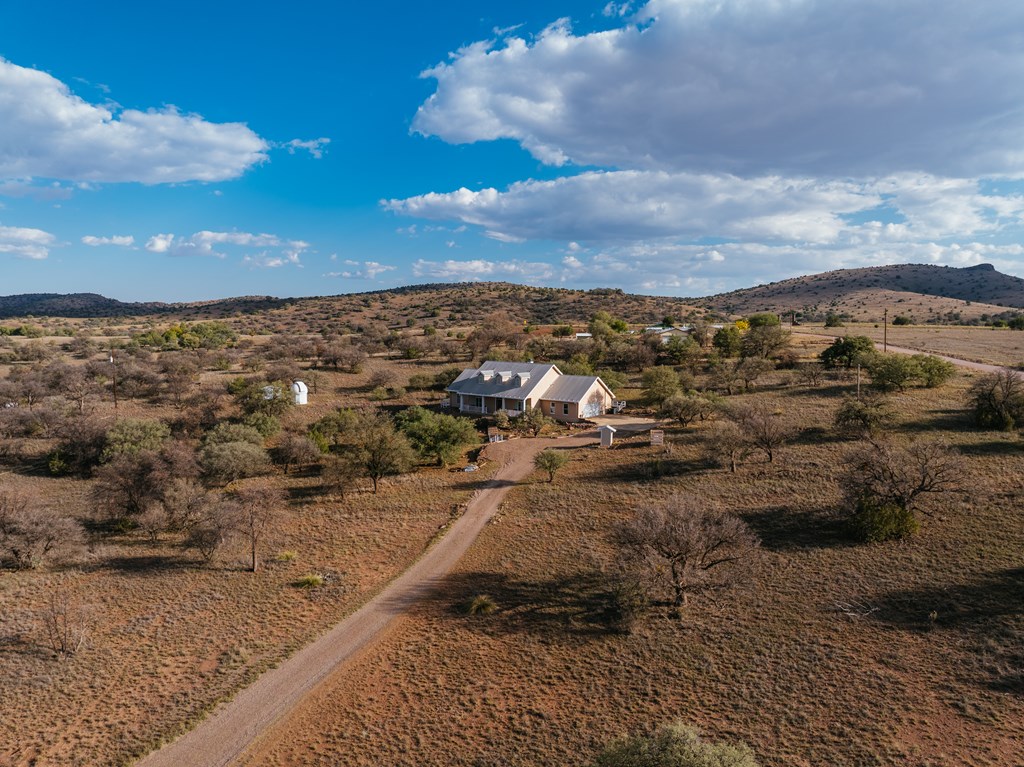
{"x": 674, "y": 745}
{"x": 550, "y": 461}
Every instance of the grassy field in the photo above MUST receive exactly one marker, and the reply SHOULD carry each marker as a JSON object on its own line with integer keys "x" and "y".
{"x": 993, "y": 346}
{"x": 835, "y": 653}
{"x": 172, "y": 636}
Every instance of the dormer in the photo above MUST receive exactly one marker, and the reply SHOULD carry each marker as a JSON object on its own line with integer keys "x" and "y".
{"x": 505, "y": 376}
{"x": 485, "y": 375}
{"x": 522, "y": 378}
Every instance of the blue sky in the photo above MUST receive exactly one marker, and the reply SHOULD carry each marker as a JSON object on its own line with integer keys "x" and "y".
{"x": 680, "y": 147}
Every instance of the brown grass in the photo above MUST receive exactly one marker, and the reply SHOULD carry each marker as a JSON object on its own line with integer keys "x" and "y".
{"x": 929, "y": 676}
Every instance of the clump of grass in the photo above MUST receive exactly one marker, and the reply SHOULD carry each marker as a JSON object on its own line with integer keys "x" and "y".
{"x": 310, "y": 581}
{"x": 286, "y": 556}
{"x": 481, "y": 604}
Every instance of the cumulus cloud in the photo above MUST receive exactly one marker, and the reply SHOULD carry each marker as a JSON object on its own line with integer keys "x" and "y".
{"x": 274, "y": 251}
{"x": 24, "y": 242}
{"x": 793, "y": 87}
{"x": 361, "y": 270}
{"x": 124, "y": 241}
{"x": 49, "y": 132}
{"x": 479, "y": 270}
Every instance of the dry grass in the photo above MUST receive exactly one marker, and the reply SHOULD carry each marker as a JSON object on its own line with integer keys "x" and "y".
{"x": 993, "y": 346}
{"x": 930, "y": 675}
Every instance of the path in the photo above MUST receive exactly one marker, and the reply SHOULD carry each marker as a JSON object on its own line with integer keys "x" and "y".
{"x": 223, "y": 737}
{"x": 979, "y": 366}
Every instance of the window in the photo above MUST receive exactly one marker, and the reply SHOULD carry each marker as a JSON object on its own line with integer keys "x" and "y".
{"x": 519, "y": 405}
{"x": 565, "y": 408}
{"x": 552, "y": 408}
{"x": 478, "y": 401}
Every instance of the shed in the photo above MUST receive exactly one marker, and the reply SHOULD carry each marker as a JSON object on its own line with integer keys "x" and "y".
{"x": 607, "y": 435}
{"x": 301, "y": 392}
{"x": 494, "y": 434}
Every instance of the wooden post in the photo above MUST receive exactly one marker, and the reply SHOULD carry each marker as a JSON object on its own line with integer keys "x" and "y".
{"x": 885, "y": 332}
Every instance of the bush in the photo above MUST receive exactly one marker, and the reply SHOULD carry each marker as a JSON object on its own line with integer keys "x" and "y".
{"x": 998, "y": 400}
{"x": 874, "y": 520}
{"x": 847, "y": 352}
{"x": 659, "y": 383}
{"x": 675, "y": 745}
{"x": 892, "y": 372}
{"x": 481, "y": 604}
{"x": 863, "y": 417}
{"x": 310, "y": 581}
{"x": 933, "y": 371}
{"x": 266, "y": 425}
{"x": 225, "y": 462}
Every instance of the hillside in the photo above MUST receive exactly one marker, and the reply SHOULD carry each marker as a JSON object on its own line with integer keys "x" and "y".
{"x": 922, "y": 291}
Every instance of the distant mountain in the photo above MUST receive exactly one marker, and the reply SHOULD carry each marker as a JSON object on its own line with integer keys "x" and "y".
{"x": 922, "y": 291}
{"x": 95, "y": 305}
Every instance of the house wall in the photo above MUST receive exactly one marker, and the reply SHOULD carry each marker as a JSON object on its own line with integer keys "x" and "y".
{"x": 559, "y": 415}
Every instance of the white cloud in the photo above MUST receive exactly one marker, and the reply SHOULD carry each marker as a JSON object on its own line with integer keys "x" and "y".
{"x": 48, "y": 132}
{"x": 793, "y": 87}
{"x": 479, "y": 269}
{"x": 24, "y": 242}
{"x": 365, "y": 270}
{"x": 275, "y": 250}
{"x": 125, "y": 241}
{"x": 316, "y": 147}
{"x": 630, "y": 205}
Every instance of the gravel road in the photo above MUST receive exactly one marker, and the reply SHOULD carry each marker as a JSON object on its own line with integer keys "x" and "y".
{"x": 229, "y": 731}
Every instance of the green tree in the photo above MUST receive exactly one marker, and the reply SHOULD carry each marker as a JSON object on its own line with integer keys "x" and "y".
{"x": 658, "y": 384}
{"x": 847, "y": 352}
{"x": 892, "y": 372}
{"x": 550, "y": 461}
{"x": 728, "y": 341}
{"x": 763, "y": 341}
{"x": 131, "y": 435}
{"x": 675, "y": 745}
{"x": 933, "y": 371}
{"x": 436, "y": 436}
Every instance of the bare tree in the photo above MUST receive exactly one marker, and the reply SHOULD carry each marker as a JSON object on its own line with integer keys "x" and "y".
{"x": 764, "y": 427}
{"x": 67, "y": 623}
{"x": 686, "y": 546}
{"x": 30, "y": 535}
{"x": 256, "y": 508}
{"x": 728, "y": 445}
{"x": 902, "y": 475}
{"x": 340, "y": 473}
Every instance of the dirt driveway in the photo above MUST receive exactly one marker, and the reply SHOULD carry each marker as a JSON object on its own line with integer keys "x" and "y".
{"x": 225, "y": 735}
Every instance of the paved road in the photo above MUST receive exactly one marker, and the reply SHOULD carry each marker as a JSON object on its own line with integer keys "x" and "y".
{"x": 228, "y": 732}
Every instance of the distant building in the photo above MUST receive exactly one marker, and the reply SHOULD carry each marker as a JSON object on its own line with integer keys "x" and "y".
{"x": 301, "y": 392}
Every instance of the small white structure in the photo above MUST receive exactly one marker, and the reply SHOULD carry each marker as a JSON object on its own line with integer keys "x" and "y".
{"x": 607, "y": 435}
{"x": 271, "y": 392}
{"x": 301, "y": 392}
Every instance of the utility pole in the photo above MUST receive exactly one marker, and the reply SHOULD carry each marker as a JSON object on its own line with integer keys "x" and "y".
{"x": 885, "y": 332}
{"x": 113, "y": 369}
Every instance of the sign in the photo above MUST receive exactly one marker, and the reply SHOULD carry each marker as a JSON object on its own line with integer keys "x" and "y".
{"x": 657, "y": 437}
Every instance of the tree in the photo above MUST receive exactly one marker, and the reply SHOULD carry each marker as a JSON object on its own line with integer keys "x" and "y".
{"x": 892, "y": 372}
{"x": 658, "y": 384}
{"x": 436, "y": 436}
{"x": 674, "y": 745}
{"x": 686, "y": 546}
{"x": 132, "y": 435}
{"x": 728, "y": 445}
{"x": 225, "y": 462}
{"x": 550, "y": 461}
{"x": 763, "y": 427}
{"x": 728, "y": 341}
{"x": 683, "y": 350}
{"x": 933, "y": 371}
{"x": 764, "y": 341}
{"x": 865, "y": 417}
{"x": 886, "y": 484}
{"x": 296, "y": 450}
{"x": 31, "y": 536}
{"x": 749, "y": 369}
{"x": 340, "y": 474}
{"x": 998, "y": 400}
{"x": 533, "y": 421}
{"x": 255, "y": 509}
{"x": 847, "y": 352}
{"x": 687, "y": 407}
{"x": 764, "y": 320}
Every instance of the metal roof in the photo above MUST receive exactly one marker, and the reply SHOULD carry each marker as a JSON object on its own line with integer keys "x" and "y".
{"x": 571, "y": 388}
{"x": 469, "y": 381}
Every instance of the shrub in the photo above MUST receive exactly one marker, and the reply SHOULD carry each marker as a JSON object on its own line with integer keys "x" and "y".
{"x": 998, "y": 400}
{"x": 132, "y": 435}
{"x": 481, "y": 604}
{"x": 225, "y": 462}
{"x": 875, "y": 520}
{"x": 847, "y": 352}
{"x": 267, "y": 425}
{"x": 675, "y": 745}
{"x": 933, "y": 371}
{"x": 892, "y": 372}
{"x": 309, "y": 581}
{"x": 659, "y": 383}
{"x": 863, "y": 417}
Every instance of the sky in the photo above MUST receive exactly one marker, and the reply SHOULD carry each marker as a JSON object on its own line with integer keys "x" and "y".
{"x": 190, "y": 151}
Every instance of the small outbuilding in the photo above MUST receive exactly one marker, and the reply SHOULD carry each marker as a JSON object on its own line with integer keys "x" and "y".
{"x": 301, "y": 392}
{"x": 607, "y": 435}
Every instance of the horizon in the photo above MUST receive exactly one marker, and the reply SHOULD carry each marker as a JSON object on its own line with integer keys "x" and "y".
{"x": 668, "y": 148}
